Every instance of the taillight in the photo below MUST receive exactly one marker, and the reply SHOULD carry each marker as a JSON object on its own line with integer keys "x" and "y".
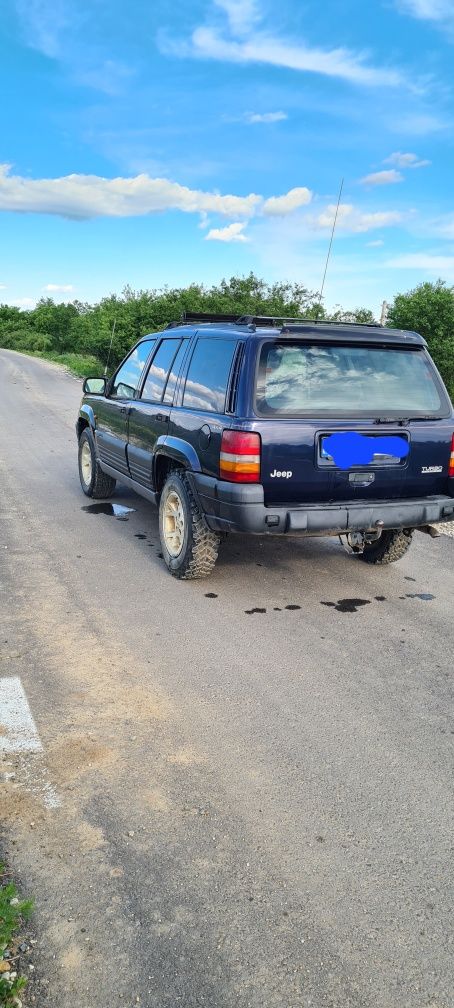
{"x": 240, "y": 457}
{"x": 451, "y": 459}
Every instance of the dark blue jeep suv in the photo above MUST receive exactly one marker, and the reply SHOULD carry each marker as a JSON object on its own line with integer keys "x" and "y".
{"x": 282, "y": 427}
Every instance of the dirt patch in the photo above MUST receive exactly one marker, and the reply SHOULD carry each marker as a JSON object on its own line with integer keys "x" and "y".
{"x": 75, "y": 754}
{"x": 185, "y": 757}
{"x": 72, "y": 960}
{"x": 20, "y": 805}
{"x": 156, "y": 800}
{"x": 91, "y": 838}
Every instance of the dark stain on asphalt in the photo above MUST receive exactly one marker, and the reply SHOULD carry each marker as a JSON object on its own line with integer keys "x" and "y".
{"x": 140, "y": 535}
{"x": 293, "y": 607}
{"x": 407, "y": 578}
{"x": 250, "y": 611}
{"x": 117, "y": 511}
{"x": 425, "y": 596}
{"x": 380, "y": 598}
{"x": 160, "y": 555}
{"x": 277, "y": 608}
{"x": 349, "y": 605}
{"x": 211, "y": 595}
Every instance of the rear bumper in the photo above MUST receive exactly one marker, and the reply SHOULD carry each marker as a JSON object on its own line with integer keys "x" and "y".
{"x": 233, "y": 507}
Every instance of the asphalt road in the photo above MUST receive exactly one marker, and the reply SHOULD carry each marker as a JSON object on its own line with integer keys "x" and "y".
{"x": 230, "y": 808}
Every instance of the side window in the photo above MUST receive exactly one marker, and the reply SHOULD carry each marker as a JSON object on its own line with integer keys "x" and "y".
{"x": 208, "y": 375}
{"x": 159, "y": 369}
{"x": 127, "y": 379}
{"x": 175, "y": 370}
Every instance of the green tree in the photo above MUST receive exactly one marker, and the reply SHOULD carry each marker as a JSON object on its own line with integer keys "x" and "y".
{"x": 120, "y": 320}
{"x": 361, "y": 316}
{"x": 429, "y": 310}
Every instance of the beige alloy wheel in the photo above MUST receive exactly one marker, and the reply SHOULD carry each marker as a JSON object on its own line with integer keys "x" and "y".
{"x": 86, "y": 463}
{"x": 173, "y": 525}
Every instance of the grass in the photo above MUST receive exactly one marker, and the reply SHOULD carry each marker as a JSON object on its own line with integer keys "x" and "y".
{"x": 13, "y": 911}
{"x": 82, "y": 365}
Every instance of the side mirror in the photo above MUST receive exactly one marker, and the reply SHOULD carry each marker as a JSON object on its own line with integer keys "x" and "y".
{"x": 94, "y": 386}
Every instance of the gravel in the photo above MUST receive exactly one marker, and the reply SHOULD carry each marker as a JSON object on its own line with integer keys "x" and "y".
{"x": 447, "y": 528}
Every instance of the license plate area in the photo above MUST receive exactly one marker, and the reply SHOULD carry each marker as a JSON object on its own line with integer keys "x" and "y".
{"x": 359, "y": 452}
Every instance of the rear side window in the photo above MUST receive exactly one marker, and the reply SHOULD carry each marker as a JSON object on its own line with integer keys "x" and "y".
{"x": 174, "y": 372}
{"x": 127, "y": 378}
{"x": 159, "y": 370}
{"x": 298, "y": 379}
{"x": 208, "y": 375}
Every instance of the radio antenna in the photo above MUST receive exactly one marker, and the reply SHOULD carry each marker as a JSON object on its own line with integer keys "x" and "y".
{"x": 331, "y": 241}
{"x": 110, "y": 347}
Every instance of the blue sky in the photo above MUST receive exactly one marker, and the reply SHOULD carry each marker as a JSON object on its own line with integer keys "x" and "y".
{"x": 156, "y": 144}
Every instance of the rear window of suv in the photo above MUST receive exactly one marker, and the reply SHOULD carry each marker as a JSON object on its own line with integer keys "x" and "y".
{"x": 300, "y": 379}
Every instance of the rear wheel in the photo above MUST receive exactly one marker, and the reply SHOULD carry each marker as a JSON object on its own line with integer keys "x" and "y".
{"x": 189, "y": 547}
{"x": 94, "y": 482}
{"x": 391, "y": 546}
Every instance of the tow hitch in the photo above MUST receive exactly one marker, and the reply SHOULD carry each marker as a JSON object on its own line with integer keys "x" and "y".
{"x": 354, "y": 542}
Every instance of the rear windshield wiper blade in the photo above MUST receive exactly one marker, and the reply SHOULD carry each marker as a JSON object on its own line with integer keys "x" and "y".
{"x": 391, "y": 419}
{"x": 403, "y": 420}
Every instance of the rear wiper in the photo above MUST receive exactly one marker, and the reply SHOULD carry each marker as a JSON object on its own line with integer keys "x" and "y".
{"x": 402, "y": 420}
{"x": 390, "y": 419}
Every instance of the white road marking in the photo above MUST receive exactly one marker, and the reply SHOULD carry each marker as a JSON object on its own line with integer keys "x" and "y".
{"x": 19, "y": 736}
{"x": 18, "y": 732}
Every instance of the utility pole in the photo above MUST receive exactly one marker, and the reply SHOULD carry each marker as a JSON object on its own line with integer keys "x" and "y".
{"x": 384, "y": 313}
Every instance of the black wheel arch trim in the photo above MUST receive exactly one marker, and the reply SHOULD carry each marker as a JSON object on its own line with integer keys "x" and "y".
{"x": 178, "y": 449}
{"x": 86, "y": 418}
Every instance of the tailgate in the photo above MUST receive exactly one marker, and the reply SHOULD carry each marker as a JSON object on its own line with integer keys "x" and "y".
{"x": 296, "y": 466}
{"x": 384, "y": 395}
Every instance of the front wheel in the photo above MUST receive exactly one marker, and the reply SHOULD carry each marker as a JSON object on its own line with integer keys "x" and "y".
{"x": 189, "y": 547}
{"x": 94, "y": 482}
{"x": 391, "y": 546}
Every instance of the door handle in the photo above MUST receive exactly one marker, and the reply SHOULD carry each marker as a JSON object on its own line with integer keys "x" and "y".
{"x": 124, "y": 409}
{"x": 162, "y": 417}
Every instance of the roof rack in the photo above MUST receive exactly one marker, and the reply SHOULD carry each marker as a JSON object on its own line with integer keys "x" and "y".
{"x": 275, "y": 321}
{"x": 188, "y": 316}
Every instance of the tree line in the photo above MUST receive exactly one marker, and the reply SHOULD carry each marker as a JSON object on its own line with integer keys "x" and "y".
{"x": 85, "y": 330}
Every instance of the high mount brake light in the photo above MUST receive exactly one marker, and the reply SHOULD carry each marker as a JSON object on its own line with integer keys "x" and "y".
{"x": 451, "y": 459}
{"x": 240, "y": 457}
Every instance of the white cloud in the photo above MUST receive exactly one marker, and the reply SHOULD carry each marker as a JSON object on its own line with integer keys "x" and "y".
{"x": 53, "y": 288}
{"x": 44, "y": 24}
{"x": 85, "y": 196}
{"x": 352, "y": 220}
{"x": 419, "y": 124}
{"x": 25, "y": 302}
{"x": 427, "y": 263}
{"x": 108, "y": 76}
{"x": 206, "y": 43}
{"x": 248, "y": 44}
{"x": 62, "y": 31}
{"x": 428, "y": 10}
{"x": 231, "y": 233}
{"x": 242, "y": 14}
{"x": 375, "y": 244}
{"x": 382, "y": 178}
{"x": 445, "y": 226}
{"x": 406, "y": 160}
{"x": 81, "y": 197}
{"x": 265, "y": 117}
{"x": 280, "y": 206}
